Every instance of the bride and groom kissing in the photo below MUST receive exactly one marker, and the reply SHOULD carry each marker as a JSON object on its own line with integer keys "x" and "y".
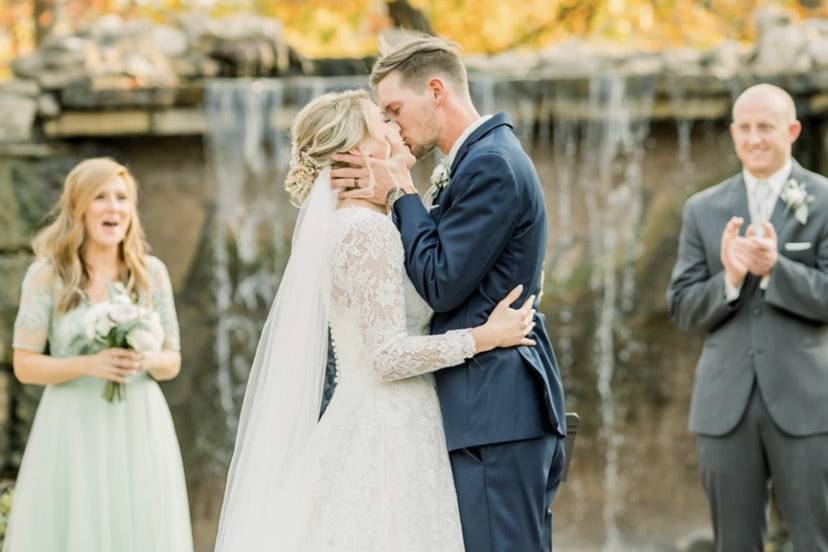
{"x": 446, "y": 430}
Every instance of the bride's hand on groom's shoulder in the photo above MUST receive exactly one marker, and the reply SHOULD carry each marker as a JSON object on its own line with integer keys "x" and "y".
{"x": 506, "y": 327}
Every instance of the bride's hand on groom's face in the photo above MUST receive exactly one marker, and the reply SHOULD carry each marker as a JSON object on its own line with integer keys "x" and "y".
{"x": 354, "y": 180}
{"x": 401, "y": 152}
{"x": 371, "y": 178}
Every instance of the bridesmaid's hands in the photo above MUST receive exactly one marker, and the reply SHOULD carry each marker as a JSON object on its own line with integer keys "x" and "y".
{"x": 117, "y": 365}
{"x": 506, "y": 327}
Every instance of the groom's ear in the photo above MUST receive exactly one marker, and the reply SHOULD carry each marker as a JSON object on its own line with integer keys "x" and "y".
{"x": 437, "y": 88}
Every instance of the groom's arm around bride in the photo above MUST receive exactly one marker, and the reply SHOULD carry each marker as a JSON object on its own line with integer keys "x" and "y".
{"x": 503, "y": 410}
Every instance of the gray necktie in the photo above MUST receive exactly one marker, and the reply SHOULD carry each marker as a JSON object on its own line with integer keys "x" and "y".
{"x": 761, "y": 198}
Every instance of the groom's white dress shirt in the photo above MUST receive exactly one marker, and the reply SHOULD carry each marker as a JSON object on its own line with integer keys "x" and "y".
{"x": 463, "y": 137}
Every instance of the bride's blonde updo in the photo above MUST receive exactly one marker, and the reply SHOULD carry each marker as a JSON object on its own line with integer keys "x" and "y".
{"x": 331, "y": 124}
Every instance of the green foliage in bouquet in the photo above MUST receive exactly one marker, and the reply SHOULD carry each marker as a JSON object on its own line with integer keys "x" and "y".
{"x": 120, "y": 323}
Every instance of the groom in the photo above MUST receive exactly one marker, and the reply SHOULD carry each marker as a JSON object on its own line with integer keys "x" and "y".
{"x": 484, "y": 233}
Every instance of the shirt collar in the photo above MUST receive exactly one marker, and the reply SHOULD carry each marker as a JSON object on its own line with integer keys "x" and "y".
{"x": 448, "y": 160}
{"x": 776, "y": 180}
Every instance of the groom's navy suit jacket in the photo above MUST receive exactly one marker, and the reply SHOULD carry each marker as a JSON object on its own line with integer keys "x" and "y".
{"x": 485, "y": 234}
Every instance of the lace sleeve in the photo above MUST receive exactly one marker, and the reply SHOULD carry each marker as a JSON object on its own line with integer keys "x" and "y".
{"x": 31, "y": 327}
{"x": 369, "y": 265}
{"x": 164, "y": 303}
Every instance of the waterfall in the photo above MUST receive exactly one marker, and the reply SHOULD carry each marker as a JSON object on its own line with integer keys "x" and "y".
{"x": 612, "y": 153}
{"x": 248, "y": 148}
{"x": 565, "y": 153}
{"x": 250, "y": 229}
{"x": 684, "y": 124}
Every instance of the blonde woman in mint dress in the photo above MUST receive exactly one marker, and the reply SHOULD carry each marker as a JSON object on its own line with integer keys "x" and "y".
{"x": 96, "y": 476}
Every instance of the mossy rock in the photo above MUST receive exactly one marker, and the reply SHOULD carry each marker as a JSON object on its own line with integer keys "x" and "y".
{"x": 6, "y": 496}
{"x": 13, "y": 267}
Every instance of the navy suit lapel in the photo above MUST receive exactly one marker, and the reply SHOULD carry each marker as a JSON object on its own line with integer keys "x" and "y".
{"x": 435, "y": 203}
{"x": 495, "y": 121}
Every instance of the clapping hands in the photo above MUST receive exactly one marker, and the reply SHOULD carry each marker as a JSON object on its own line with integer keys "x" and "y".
{"x": 755, "y": 252}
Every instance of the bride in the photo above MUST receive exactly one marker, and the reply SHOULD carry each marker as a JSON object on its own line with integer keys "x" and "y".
{"x": 373, "y": 473}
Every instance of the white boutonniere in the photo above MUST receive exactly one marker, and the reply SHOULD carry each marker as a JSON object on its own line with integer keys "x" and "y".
{"x": 797, "y": 198}
{"x": 440, "y": 178}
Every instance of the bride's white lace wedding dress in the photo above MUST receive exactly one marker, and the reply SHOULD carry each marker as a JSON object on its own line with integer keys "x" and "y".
{"x": 375, "y": 475}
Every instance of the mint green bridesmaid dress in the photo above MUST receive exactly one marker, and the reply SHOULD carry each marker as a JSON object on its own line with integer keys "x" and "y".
{"x": 96, "y": 476}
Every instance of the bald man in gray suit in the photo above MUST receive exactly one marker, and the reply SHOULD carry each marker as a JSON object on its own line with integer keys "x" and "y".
{"x": 752, "y": 276}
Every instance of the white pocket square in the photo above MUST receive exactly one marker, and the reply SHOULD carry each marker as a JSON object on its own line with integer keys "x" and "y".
{"x": 797, "y": 246}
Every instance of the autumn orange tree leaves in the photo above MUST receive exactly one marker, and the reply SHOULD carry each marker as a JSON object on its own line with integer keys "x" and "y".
{"x": 349, "y": 28}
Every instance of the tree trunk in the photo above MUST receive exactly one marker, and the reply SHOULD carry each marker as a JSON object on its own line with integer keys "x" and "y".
{"x": 406, "y": 16}
{"x": 44, "y": 19}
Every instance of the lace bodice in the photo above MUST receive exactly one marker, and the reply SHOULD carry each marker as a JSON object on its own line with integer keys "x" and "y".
{"x": 38, "y": 321}
{"x": 371, "y": 295}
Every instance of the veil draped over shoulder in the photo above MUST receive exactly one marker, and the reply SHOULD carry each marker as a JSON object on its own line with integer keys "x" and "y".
{"x": 284, "y": 389}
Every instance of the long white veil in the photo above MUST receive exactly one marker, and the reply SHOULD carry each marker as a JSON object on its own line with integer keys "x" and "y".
{"x": 284, "y": 390}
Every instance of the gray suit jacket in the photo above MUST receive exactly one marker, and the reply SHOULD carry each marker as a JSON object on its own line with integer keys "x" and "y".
{"x": 779, "y": 336}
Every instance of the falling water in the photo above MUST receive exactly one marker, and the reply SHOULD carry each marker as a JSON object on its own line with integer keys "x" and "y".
{"x": 684, "y": 124}
{"x": 490, "y": 96}
{"x": 250, "y": 226}
{"x": 610, "y": 175}
{"x": 565, "y": 153}
{"x": 483, "y": 90}
{"x": 249, "y": 150}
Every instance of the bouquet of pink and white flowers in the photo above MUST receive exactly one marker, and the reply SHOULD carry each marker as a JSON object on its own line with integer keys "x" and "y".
{"x": 120, "y": 322}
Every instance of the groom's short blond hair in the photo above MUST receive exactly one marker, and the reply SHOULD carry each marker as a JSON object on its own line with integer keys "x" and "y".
{"x": 418, "y": 58}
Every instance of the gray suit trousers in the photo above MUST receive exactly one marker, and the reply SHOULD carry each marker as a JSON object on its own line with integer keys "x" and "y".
{"x": 735, "y": 470}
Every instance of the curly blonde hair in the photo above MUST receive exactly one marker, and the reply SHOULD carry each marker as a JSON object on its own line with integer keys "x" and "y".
{"x": 61, "y": 242}
{"x": 331, "y": 124}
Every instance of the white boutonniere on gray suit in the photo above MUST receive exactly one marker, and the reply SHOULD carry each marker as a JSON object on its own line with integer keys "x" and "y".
{"x": 796, "y": 198}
